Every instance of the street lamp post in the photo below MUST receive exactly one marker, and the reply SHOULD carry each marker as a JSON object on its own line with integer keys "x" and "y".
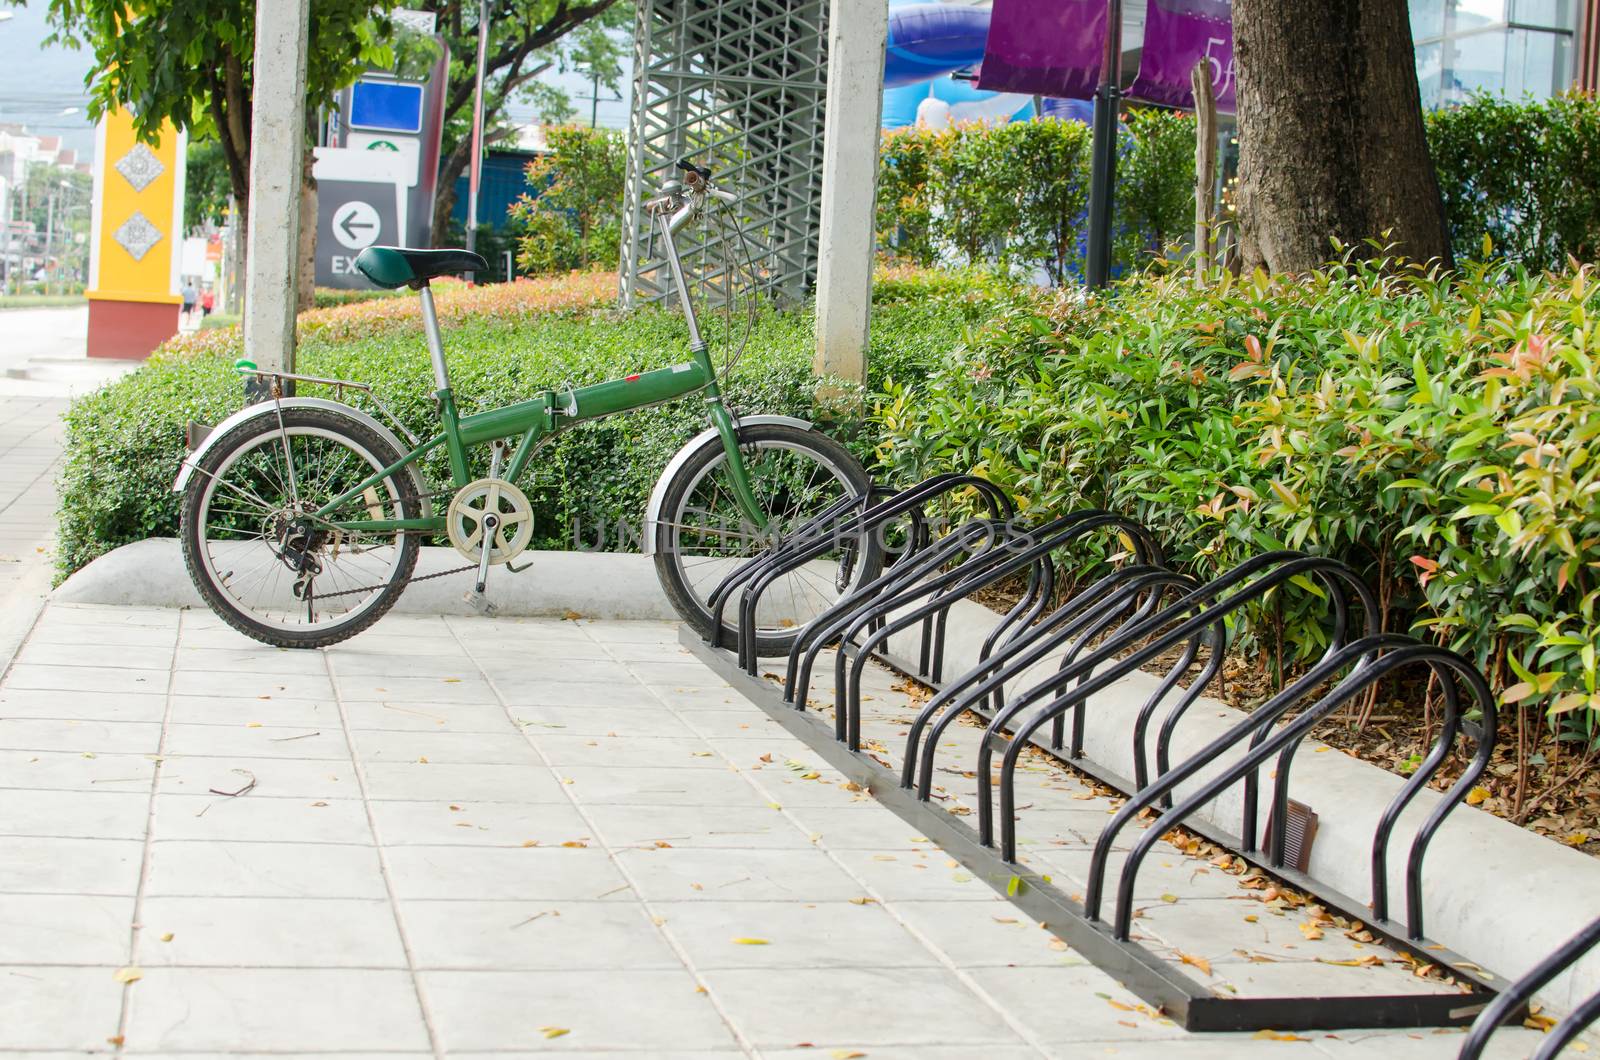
{"x": 475, "y": 170}
{"x": 1103, "y": 152}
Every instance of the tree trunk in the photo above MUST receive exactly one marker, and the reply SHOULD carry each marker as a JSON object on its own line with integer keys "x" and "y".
{"x": 1331, "y": 143}
{"x": 306, "y": 289}
{"x": 444, "y": 199}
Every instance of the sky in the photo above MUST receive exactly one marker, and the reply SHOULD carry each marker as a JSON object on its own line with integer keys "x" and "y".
{"x": 39, "y": 83}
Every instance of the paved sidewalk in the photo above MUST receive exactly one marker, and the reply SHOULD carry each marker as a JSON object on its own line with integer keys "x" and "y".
{"x": 463, "y": 836}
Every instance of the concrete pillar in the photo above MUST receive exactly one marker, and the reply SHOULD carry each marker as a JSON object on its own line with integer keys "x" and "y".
{"x": 277, "y": 143}
{"x": 857, "y": 33}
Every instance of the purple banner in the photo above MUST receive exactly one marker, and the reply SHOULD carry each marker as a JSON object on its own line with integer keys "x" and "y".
{"x": 1177, "y": 35}
{"x": 1045, "y": 47}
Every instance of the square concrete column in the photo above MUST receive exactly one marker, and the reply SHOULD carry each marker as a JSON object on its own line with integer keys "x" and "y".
{"x": 857, "y": 33}
{"x": 277, "y": 144}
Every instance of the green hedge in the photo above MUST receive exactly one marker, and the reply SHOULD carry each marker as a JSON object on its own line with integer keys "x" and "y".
{"x": 504, "y": 342}
{"x": 1526, "y": 176}
{"x": 1015, "y": 194}
{"x": 1436, "y": 433}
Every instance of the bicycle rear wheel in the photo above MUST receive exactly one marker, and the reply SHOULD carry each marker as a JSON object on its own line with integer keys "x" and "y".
{"x": 262, "y": 558}
{"x": 702, "y": 535}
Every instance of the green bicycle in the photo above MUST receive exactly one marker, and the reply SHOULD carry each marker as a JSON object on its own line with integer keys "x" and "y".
{"x": 303, "y": 517}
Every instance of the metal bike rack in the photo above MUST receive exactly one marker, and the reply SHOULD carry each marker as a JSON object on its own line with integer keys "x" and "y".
{"x": 1044, "y": 660}
{"x": 1506, "y": 1008}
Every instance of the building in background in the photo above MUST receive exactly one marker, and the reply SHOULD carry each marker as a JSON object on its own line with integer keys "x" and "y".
{"x": 1514, "y": 48}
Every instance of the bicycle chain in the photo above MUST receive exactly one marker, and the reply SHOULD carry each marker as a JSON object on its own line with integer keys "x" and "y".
{"x": 402, "y": 584}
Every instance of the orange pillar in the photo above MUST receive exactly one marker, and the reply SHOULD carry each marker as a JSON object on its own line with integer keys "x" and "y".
{"x": 136, "y": 239}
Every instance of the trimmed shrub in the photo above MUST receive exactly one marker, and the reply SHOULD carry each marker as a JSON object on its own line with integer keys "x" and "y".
{"x": 572, "y": 218}
{"x": 1015, "y": 195}
{"x": 1434, "y": 432}
{"x": 505, "y": 343}
{"x": 1525, "y": 176}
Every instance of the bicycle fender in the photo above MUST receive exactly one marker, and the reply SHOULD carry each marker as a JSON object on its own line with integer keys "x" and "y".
{"x": 266, "y": 407}
{"x": 658, "y": 495}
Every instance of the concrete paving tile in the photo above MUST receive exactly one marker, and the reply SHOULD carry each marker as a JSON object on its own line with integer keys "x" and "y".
{"x": 538, "y": 650}
{"x": 626, "y": 722}
{"x": 516, "y": 935}
{"x": 226, "y": 683}
{"x": 439, "y": 823}
{"x": 264, "y": 870}
{"x": 429, "y": 717}
{"x": 619, "y": 631}
{"x": 93, "y": 737}
{"x": 986, "y": 1050}
{"x": 284, "y": 1010}
{"x": 913, "y": 876}
{"x": 748, "y": 724}
{"x": 533, "y": 693}
{"x": 633, "y": 1010}
{"x": 982, "y": 934}
{"x": 625, "y": 752}
{"x": 495, "y": 873}
{"x": 276, "y": 778}
{"x": 1073, "y": 1004}
{"x": 259, "y": 659}
{"x": 863, "y": 826}
{"x": 55, "y": 633}
{"x": 443, "y": 748}
{"x": 65, "y": 929}
{"x": 681, "y": 672}
{"x": 387, "y": 641}
{"x": 58, "y": 1008}
{"x": 353, "y": 666}
{"x": 129, "y": 656}
{"x": 269, "y": 933}
{"x": 1508, "y": 1043}
{"x": 322, "y": 742}
{"x": 74, "y": 814}
{"x": 114, "y": 615}
{"x": 44, "y": 703}
{"x": 87, "y": 678}
{"x": 31, "y": 864}
{"x": 643, "y": 785}
{"x": 664, "y": 875}
{"x": 72, "y": 771}
{"x": 556, "y": 671}
{"x": 687, "y": 699}
{"x": 723, "y": 827}
{"x": 795, "y": 934}
{"x": 251, "y": 711}
{"x": 372, "y": 688}
{"x": 246, "y": 818}
{"x": 461, "y": 783}
{"x": 855, "y": 1007}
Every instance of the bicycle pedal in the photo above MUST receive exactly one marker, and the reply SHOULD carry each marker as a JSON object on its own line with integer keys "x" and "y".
{"x": 480, "y": 603}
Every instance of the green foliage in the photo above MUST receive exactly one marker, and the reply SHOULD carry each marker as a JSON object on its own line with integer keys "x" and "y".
{"x": 505, "y": 342}
{"x": 1015, "y": 195}
{"x": 206, "y": 185}
{"x": 1434, "y": 432}
{"x": 1522, "y": 175}
{"x": 573, "y": 219}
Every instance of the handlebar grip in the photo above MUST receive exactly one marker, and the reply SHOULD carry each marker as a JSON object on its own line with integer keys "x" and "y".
{"x": 689, "y": 167}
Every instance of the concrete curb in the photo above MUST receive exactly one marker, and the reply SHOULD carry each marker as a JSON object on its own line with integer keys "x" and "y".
{"x": 1498, "y": 894}
{"x": 591, "y": 584}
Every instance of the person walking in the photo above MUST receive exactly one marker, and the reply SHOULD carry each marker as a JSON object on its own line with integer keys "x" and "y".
{"x": 208, "y": 302}
{"x": 190, "y": 296}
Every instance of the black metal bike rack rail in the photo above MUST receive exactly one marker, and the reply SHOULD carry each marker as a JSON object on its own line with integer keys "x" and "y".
{"x": 1515, "y": 997}
{"x": 1082, "y": 642}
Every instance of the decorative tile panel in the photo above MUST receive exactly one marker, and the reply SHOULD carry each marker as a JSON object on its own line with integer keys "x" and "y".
{"x": 140, "y": 166}
{"x": 137, "y": 235}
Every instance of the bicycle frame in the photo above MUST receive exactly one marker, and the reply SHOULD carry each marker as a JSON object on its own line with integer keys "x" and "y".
{"x": 541, "y": 418}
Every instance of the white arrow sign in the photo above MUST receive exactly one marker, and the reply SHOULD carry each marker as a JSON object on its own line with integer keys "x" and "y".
{"x": 356, "y": 225}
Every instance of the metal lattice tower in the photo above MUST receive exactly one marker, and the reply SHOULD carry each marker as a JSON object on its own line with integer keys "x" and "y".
{"x": 739, "y": 85}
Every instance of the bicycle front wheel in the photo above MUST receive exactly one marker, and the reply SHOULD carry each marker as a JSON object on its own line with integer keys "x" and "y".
{"x": 262, "y": 557}
{"x": 703, "y": 536}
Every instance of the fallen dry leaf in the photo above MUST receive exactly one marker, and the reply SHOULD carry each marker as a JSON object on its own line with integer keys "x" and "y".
{"x": 750, "y": 942}
{"x": 1279, "y": 1036}
{"x": 847, "y": 1054}
{"x": 167, "y": 937}
{"x": 554, "y": 1032}
{"x": 1310, "y": 931}
{"x": 1198, "y": 962}
{"x": 131, "y": 974}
